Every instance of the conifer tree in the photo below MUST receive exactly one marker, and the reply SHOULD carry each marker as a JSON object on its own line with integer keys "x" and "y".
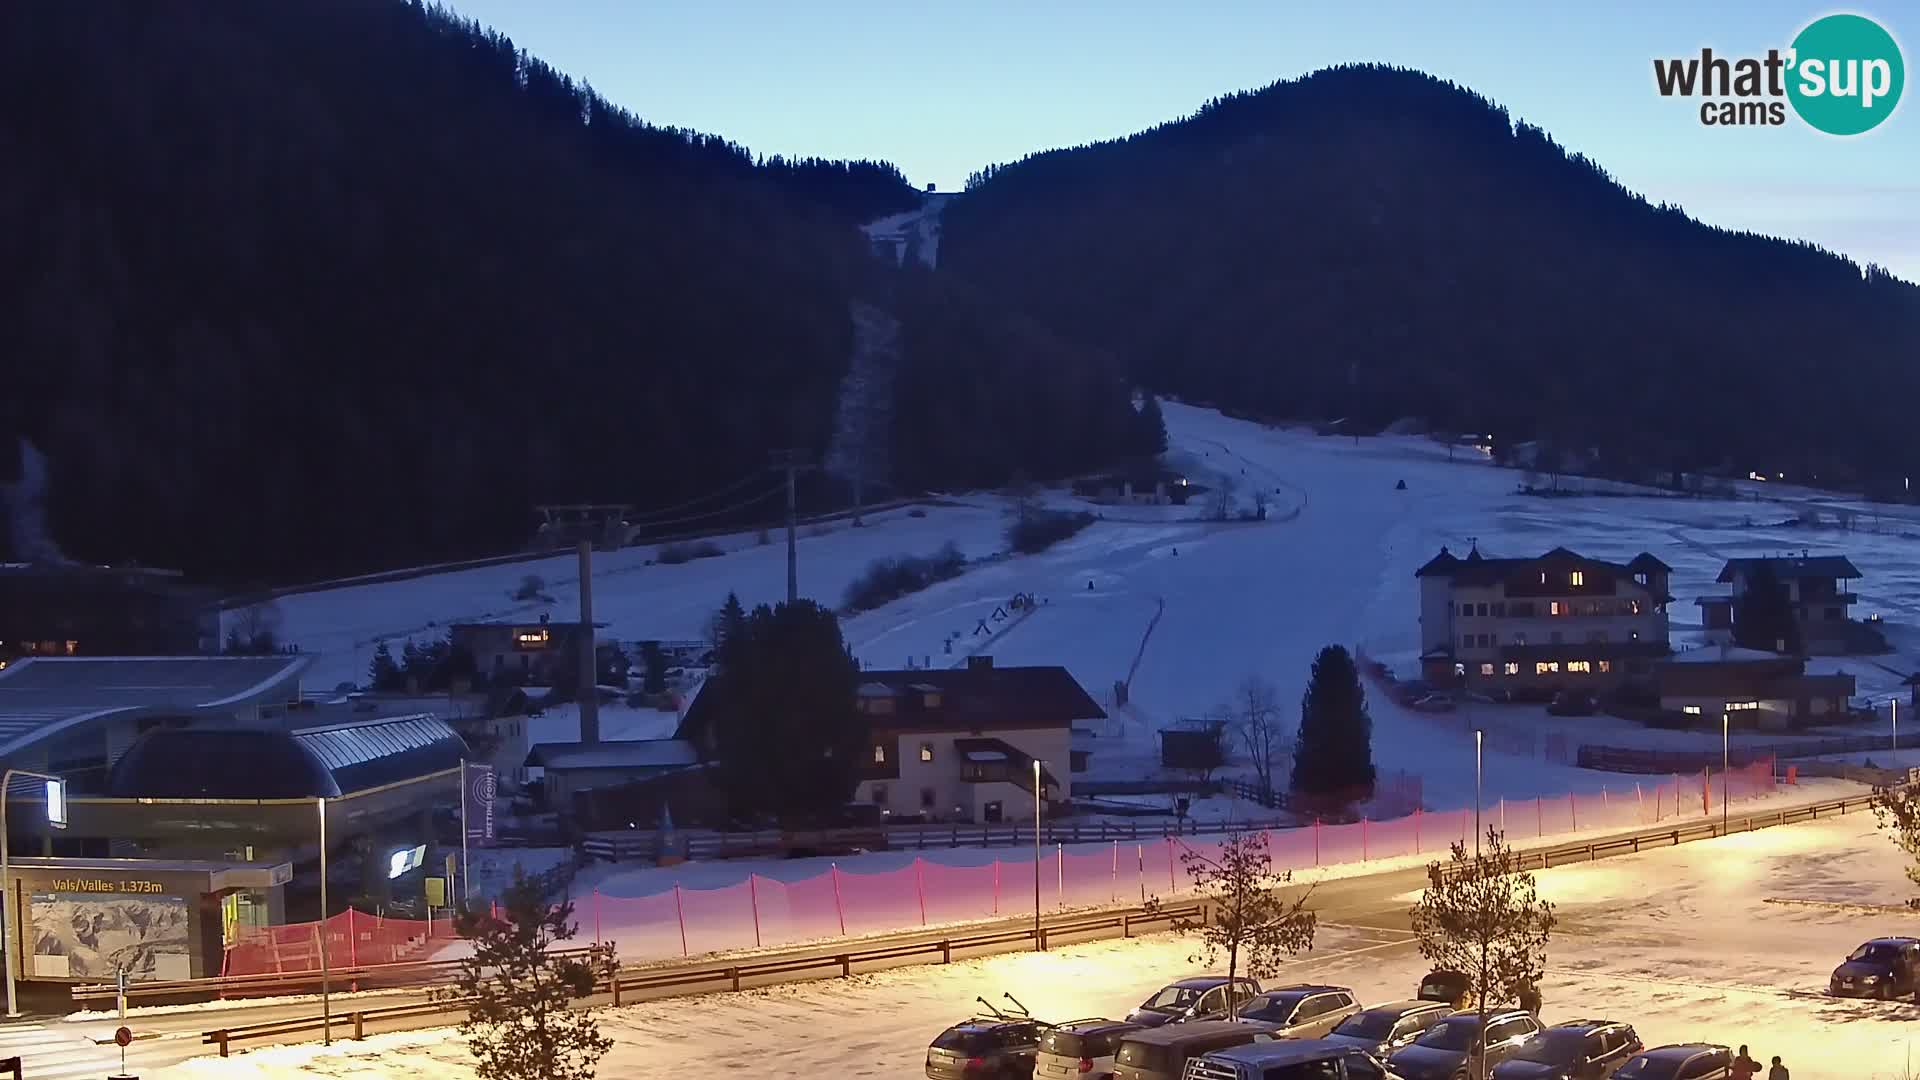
{"x": 521, "y": 1021}
{"x": 384, "y": 673}
{"x": 1333, "y": 753}
{"x": 1763, "y": 616}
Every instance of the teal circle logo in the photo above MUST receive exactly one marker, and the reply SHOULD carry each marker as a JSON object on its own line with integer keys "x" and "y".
{"x": 1847, "y": 74}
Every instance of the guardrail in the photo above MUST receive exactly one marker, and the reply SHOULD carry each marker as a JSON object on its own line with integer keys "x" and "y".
{"x": 617, "y": 847}
{"x": 1706, "y": 829}
{"x": 732, "y": 975}
{"x": 411, "y": 973}
{"x": 1634, "y": 760}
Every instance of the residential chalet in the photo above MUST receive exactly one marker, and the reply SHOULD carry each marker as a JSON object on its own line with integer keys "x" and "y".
{"x": 1559, "y": 621}
{"x": 525, "y": 653}
{"x": 960, "y": 744}
{"x": 1815, "y": 591}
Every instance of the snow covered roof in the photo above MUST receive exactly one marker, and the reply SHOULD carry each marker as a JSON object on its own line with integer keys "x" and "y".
{"x": 1724, "y": 654}
{"x": 46, "y": 694}
{"x": 1475, "y": 568}
{"x": 254, "y": 763}
{"x": 626, "y": 754}
{"x": 1791, "y": 566}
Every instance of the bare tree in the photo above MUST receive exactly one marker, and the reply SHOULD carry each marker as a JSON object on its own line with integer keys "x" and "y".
{"x": 1250, "y": 921}
{"x": 1223, "y": 497}
{"x": 1260, "y": 724}
{"x": 1482, "y": 917}
{"x": 1897, "y": 806}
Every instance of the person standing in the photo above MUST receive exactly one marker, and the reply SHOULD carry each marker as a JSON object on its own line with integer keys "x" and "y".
{"x": 1744, "y": 1067}
{"x": 1779, "y": 1071}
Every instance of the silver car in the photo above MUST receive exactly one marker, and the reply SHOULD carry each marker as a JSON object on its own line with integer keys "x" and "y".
{"x": 1080, "y": 1048}
{"x": 1297, "y": 1012}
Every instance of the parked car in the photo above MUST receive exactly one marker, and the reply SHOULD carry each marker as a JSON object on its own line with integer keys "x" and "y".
{"x": 1189, "y": 998}
{"x": 1382, "y": 1029}
{"x": 1573, "y": 703}
{"x": 1680, "y": 1061}
{"x": 1080, "y": 1048}
{"x": 1882, "y": 968}
{"x": 1434, "y": 703}
{"x": 1444, "y": 986}
{"x": 1574, "y": 1050}
{"x": 986, "y": 1048}
{"x": 1448, "y": 1049}
{"x": 1161, "y": 1053}
{"x": 1289, "y": 1059}
{"x": 1296, "y": 1012}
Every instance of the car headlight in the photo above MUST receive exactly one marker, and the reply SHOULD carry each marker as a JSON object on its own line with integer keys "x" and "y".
{"x": 1870, "y": 978}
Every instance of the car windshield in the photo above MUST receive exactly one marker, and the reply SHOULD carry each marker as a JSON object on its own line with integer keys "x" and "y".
{"x": 1375, "y": 1024}
{"x": 1454, "y": 1034}
{"x": 1554, "y": 1047}
{"x": 1273, "y": 1008}
{"x": 1878, "y": 954}
{"x": 1645, "y": 1067}
{"x": 1173, "y": 997}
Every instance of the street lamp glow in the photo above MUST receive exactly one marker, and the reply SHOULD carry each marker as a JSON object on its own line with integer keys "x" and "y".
{"x": 1037, "y": 939}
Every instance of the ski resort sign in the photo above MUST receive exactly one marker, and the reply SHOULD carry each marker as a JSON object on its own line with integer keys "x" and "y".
{"x": 1842, "y": 75}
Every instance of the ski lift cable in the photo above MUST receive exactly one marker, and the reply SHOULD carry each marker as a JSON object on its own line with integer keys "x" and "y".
{"x": 718, "y": 512}
{"x": 646, "y": 518}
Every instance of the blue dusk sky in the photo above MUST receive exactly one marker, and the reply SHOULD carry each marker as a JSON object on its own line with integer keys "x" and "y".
{"x": 942, "y": 90}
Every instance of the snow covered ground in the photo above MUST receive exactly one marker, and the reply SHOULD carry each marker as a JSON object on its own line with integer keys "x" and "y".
{"x": 1224, "y": 600}
{"x": 1683, "y": 943}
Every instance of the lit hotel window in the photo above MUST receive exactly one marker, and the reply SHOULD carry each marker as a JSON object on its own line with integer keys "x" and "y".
{"x": 1581, "y": 667}
{"x": 1691, "y": 710}
{"x": 1513, "y": 667}
{"x": 926, "y": 751}
{"x": 1606, "y": 666}
{"x": 879, "y": 754}
{"x": 1554, "y": 608}
{"x": 1578, "y": 577}
{"x": 1546, "y": 667}
{"x": 1486, "y": 669}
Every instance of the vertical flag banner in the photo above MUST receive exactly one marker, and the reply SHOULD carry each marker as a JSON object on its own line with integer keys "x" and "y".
{"x": 480, "y": 788}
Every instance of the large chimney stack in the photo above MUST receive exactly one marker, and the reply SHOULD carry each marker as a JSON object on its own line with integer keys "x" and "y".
{"x": 589, "y": 670}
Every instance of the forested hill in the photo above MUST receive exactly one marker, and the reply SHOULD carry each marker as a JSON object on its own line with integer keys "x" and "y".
{"x": 1376, "y": 243}
{"x": 300, "y": 289}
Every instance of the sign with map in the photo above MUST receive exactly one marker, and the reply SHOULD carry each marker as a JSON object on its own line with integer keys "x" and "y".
{"x": 91, "y": 935}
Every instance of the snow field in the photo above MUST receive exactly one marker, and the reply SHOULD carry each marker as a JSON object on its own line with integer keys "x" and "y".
{"x": 1680, "y": 942}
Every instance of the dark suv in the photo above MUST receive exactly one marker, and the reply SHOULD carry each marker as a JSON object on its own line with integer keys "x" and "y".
{"x": 1448, "y": 1049}
{"x": 1289, "y": 1059}
{"x": 1681, "y": 1061}
{"x": 1574, "y": 1050}
{"x": 1882, "y": 968}
{"x": 1189, "y": 998}
{"x": 986, "y": 1048}
{"x": 1295, "y": 1012}
{"x": 1383, "y": 1029}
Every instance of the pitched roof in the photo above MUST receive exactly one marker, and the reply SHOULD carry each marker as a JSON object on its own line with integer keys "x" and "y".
{"x": 973, "y": 698}
{"x": 1791, "y": 567}
{"x": 1476, "y": 569}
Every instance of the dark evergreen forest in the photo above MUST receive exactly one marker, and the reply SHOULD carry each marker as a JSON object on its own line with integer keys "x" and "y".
{"x": 1375, "y": 243}
{"x": 301, "y": 289}
{"x": 295, "y": 290}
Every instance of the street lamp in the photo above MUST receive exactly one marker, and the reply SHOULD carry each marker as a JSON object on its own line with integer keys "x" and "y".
{"x": 1038, "y": 941}
{"x": 1896, "y": 729}
{"x": 1479, "y": 735}
{"x": 326, "y": 969}
{"x": 56, "y": 817}
{"x": 1725, "y": 761}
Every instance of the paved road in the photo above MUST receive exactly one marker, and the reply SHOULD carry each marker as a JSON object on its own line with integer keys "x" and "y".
{"x": 55, "y": 1049}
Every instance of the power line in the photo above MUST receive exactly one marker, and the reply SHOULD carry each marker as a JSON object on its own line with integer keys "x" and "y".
{"x": 638, "y": 519}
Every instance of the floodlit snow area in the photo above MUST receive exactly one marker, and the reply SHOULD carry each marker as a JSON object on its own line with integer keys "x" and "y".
{"x": 1683, "y": 943}
{"x": 1183, "y": 609}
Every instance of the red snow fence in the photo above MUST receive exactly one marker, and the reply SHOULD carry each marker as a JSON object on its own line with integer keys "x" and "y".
{"x": 843, "y": 902}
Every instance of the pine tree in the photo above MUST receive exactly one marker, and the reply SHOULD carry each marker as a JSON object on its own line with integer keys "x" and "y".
{"x": 1333, "y": 753}
{"x": 726, "y": 625}
{"x": 1150, "y": 428}
{"x": 1250, "y": 921}
{"x": 521, "y": 1023}
{"x": 384, "y": 673}
{"x": 785, "y": 732}
{"x": 1763, "y": 616}
{"x": 1481, "y": 916}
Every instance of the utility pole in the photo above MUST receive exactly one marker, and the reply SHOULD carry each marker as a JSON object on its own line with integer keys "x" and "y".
{"x": 589, "y": 671}
{"x": 792, "y": 463}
